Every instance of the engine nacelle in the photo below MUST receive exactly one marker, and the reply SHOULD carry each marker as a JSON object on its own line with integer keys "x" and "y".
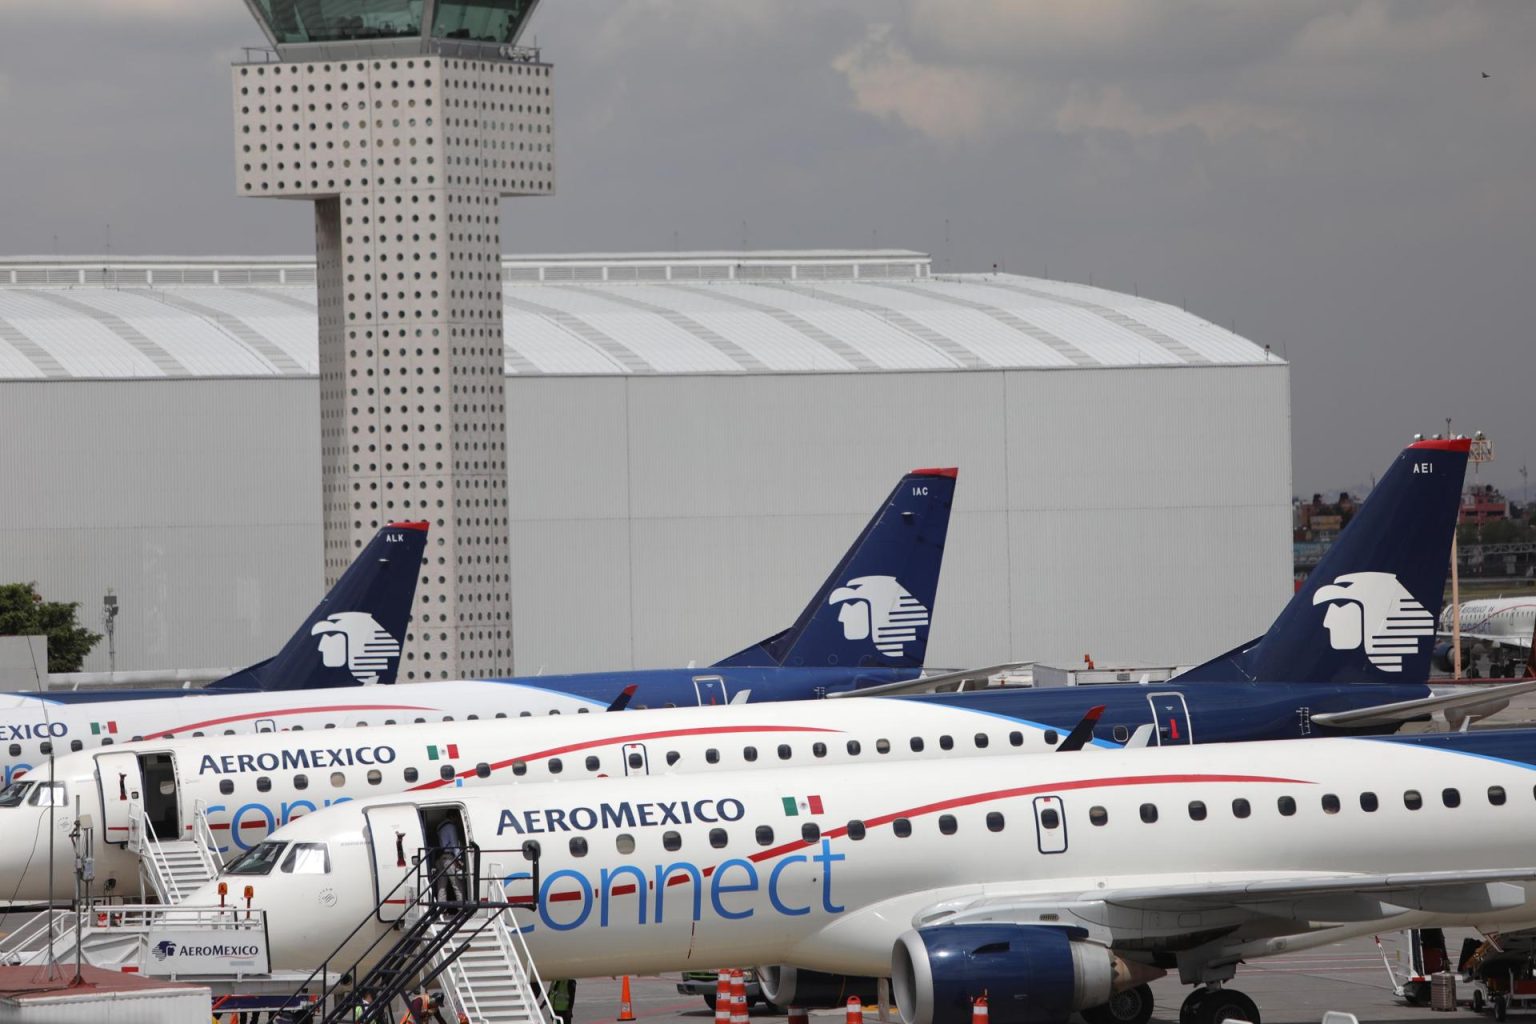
{"x": 1440, "y": 657}
{"x": 1031, "y": 974}
{"x": 812, "y": 990}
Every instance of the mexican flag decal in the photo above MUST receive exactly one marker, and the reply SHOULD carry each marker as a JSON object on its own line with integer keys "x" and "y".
{"x": 103, "y": 728}
{"x": 794, "y": 806}
{"x": 437, "y": 753}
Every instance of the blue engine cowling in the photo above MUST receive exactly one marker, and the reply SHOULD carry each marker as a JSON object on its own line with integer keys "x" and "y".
{"x": 1440, "y": 657}
{"x": 1031, "y": 974}
{"x": 812, "y": 990}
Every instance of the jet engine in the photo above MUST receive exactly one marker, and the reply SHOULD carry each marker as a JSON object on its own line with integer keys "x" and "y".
{"x": 1440, "y": 657}
{"x": 812, "y": 990}
{"x": 1031, "y": 974}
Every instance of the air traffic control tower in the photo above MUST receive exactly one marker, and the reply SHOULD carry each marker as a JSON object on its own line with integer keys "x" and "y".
{"x": 405, "y": 122}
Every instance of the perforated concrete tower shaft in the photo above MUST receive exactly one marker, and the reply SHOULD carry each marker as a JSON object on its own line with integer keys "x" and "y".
{"x": 405, "y": 123}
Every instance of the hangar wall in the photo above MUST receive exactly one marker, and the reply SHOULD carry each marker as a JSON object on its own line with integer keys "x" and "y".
{"x": 1137, "y": 514}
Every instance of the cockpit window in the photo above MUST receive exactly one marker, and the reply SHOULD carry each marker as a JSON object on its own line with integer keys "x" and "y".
{"x": 307, "y": 859}
{"x": 48, "y": 794}
{"x": 258, "y": 860}
{"x": 15, "y": 793}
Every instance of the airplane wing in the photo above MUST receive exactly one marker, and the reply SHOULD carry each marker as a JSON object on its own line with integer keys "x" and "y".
{"x": 1502, "y": 639}
{"x": 1402, "y": 711}
{"x": 965, "y": 679}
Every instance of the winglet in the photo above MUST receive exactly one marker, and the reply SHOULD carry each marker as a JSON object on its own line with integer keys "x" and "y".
{"x": 1082, "y": 732}
{"x": 622, "y": 700}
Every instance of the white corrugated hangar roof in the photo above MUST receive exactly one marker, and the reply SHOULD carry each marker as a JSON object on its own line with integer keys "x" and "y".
{"x": 598, "y": 314}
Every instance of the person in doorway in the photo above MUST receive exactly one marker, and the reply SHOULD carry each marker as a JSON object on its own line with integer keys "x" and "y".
{"x": 450, "y": 850}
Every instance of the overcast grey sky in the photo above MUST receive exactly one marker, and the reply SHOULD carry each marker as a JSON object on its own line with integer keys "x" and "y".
{"x": 1335, "y": 179}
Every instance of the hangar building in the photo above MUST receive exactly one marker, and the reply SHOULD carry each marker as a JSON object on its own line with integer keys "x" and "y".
{"x": 693, "y": 440}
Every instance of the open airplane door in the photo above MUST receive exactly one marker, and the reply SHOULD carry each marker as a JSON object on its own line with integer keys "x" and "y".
{"x": 395, "y": 834}
{"x": 117, "y": 774}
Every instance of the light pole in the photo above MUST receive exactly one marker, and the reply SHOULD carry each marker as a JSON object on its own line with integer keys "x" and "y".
{"x": 109, "y": 624}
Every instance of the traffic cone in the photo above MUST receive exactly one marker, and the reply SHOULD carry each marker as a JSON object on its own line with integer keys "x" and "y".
{"x": 979, "y": 1009}
{"x": 797, "y": 1015}
{"x": 626, "y": 1005}
{"x": 738, "y": 998}
{"x": 723, "y": 997}
{"x": 855, "y": 1011}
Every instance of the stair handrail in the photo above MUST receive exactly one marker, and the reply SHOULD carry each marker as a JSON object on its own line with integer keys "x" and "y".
{"x": 34, "y": 930}
{"x": 158, "y": 871}
{"x": 509, "y": 934}
{"x": 207, "y": 845}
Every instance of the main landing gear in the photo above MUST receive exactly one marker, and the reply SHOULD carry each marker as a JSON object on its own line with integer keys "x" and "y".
{"x": 1133, "y": 1006}
{"x": 1214, "y": 1005}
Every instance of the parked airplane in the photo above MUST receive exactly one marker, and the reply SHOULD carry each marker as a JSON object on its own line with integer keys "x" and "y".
{"x": 1051, "y": 884}
{"x": 866, "y": 625}
{"x": 349, "y": 637}
{"x": 1502, "y": 627}
{"x": 249, "y": 785}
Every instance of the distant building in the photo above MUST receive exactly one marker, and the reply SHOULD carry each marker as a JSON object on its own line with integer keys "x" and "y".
{"x": 1482, "y": 504}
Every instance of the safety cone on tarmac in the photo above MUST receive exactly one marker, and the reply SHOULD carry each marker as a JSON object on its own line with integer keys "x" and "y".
{"x": 723, "y": 997}
{"x": 979, "y": 1009}
{"x": 855, "y": 1011}
{"x": 738, "y": 998}
{"x": 797, "y": 1015}
{"x": 626, "y": 1006}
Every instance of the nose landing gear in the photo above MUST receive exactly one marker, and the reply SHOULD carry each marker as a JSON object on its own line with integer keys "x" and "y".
{"x": 1211, "y": 1005}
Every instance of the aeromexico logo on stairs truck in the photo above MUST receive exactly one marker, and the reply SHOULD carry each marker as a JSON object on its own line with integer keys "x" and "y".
{"x": 879, "y": 609}
{"x": 1375, "y": 611}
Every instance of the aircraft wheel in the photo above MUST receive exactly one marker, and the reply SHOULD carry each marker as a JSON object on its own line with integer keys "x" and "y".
{"x": 1416, "y": 993}
{"x": 1500, "y": 1006}
{"x": 709, "y": 1000}
{"x": 1189, "y": 1011}
{"x": 1133, "y": 1006}
{"x": 1479, "y": 1004}
{"x": 1226, "y": 1004}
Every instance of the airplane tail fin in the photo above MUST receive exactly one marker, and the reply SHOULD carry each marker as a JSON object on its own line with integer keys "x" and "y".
{"x": 353, "y": 636}
{"x": 1367, "y": 613}
{"x": 875, "y": 608}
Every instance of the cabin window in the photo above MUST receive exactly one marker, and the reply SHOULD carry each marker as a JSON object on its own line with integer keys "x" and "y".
{"x": 1098, "y": 815}
{"x": 1450, "y": 797}
{"x": 482, "y": 771}
{"x": 712, "y": 756}
{"x": 302, "y": 781}
{"x": 411, "y": 775}
{"x": 995, "y": 821}
{"x": 107, "y": 741}
{"x": 46, "y": 746}
{"x": 197, "y": 735}
{"x": 718, "y": 838}
{"x": 389, "y": 721}
{"x": 856, "y": 830}
{"x": 263, "y": 784}
{"x": 882, "y": 746}
{"x": 784, "y": 752}
{"x": 227, "y": 732}
{"x": 15, "y": 749}
{"x": 296, "y": 728}
{"x": 1051, "y": 736}
{"x": 226, "y": 786}
{"x": 518, "y": 768}
{"x": 1121, "y": 734}
{"x": 1196, "y": 810}
{"x": 917, "y": 744}
{"x": 1368, "y": 801}
{"x": 948, "y": 824}
{"x": 76, "y": 745}
{"x": 946, "y": 743}
{"x": 423, "y": 721}
{"x": 1241, "y": 808}
{"x": 307, "y": 859}
{"x": 1496, "y": 795}
{"x": 501, "y": 714}
{"x": 1413, "y": 799}
{"x": 1148, "y": 813}
{"x": 673, "y": 757}
{"x": 855, "y": 747}
{"x": 338, "y": 779}
{"x": 520, "y": 714}
{"x": 981, "y": 741}
{"x": 818, "y": 750}
{"x": 902, "y": 827}
{"x": 583, "y": 711}
{"x": 749, "y": 753}
{"x": 1016, "y": 738}
{"x": 1287, "y": 805}
{"x": 765, "y": 835}
{"x": 330, "y": 725}
{"x": 361, "y": 725}
{"x": 671, "y": 841}
{"x": 445, "y": 772}
{"x": 593, "y": 764}
{"x": 624, "y": 843}
{"x": 472, "y": 718}
{"x": 556, "y": 766}
{"x": 1330, "y": 803}
{"x": 449, "y": 718}
{"x": 578, "y": 846}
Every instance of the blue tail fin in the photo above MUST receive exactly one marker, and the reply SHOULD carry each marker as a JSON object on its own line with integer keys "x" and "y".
{"x": 875, "y": 607}
{"x": 1367, "y": 613}
{"x": 353, "y": 637}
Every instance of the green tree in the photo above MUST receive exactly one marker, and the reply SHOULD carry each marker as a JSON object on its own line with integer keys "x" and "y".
{"x": 23, "y": 612}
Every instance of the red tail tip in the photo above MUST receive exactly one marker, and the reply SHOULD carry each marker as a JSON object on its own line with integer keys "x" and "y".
{"x": 1094, "y": 713}
{"x": 1452, "y": 444}
{"x": 629, "y": 691}
{"x": 420, "y": 524}
{"x": 953, "y": 472}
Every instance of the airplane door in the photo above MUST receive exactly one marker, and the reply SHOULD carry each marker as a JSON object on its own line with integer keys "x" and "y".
{"x": 395, "y": 833}
{"x": 266, "y": 725}
{"x": 711, "y": 690}
{"x": 1171, "y": 716}
{"x": 1050, "y": 825}
{"x": 636, "y": 761}
{"x": 117, "y": 777}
